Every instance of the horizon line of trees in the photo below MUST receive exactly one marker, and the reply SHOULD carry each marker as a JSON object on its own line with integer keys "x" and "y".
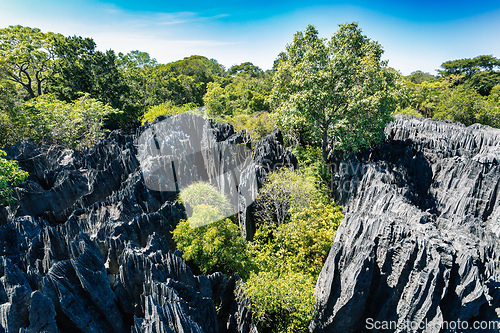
{"x": 34, "y": 63}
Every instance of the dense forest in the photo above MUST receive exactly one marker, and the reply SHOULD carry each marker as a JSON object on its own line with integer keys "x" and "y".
{"x": 325, "y": 95}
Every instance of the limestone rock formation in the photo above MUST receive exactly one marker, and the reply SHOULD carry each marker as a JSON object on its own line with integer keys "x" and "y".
{"x": 88, "y": 247}
{"x": 419, "y": 245}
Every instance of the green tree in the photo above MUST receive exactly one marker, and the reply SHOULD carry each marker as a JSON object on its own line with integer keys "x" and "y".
{"x": 80, "y": 69}
{"x": 27, "y": 56}
{"x": 280, "y": 266}
{"x": 183, "y": 81}
{"x": 256, "y": 125}
{"x": 136, "y": 68}
{"x": 469, "y": 66}
{"x": 216, "y": 101}
{"x": 10, "y": 96}
{"x": 288, "y": 257}
{"x": 312, "y": 165}
{"x": 209, "y": 239}
{"x": 495, "y": 94}
{"x": 341, "y": 92}
{"x": 215, "y": 247}
{"x": 423, "y": 97}
{"x": 465, "y": 105}
{"x": 204, "y": 194}
{"x": 10, "y": 175}
{"x": 419, "y": 77}
{"x": 483, "y": 81}
{"x": 282, "y": 190}
{"x": 136, "y": 59}
{"x": 75, "y": 124}
{"x": 282, "y": 302}
{"x": 243, "y": 94}
{"x": 246, "y": 68}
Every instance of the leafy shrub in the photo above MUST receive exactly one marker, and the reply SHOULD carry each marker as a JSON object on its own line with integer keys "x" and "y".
{"x": 205, "y": 203}
{"x": 257, "y": 125}
{"x": 211, "y": 242}
{"x": 311, "y": 164}
{"x": 242, "y": 95}
{"x": 10, "y": 175}
{"x": 483, "y": 82}
{"x": 216, "y": 247}
{"x": 421, "y": 99}
{"x": 289, "y": 255}
{"x": 495, "y": 93}
{"x": 281, "y": 301}
{"x": 167, "y": 108}
{"x": 9, "y": 97}
{"x": 75, "y": 124}
{"x": 465, "y": 105}
{"x": 282, "y": 190}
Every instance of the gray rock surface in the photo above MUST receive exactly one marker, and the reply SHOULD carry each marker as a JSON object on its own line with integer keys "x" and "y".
{"x": 88, "y": 246}
{"x": 419, "y": 244}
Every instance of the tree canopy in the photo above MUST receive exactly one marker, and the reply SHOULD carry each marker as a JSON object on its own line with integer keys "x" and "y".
{"x": 246, "y": 68}
{"x": 27, "y": 56}
{"x": 469, "y": 66}
{"x": 339, "y": 91}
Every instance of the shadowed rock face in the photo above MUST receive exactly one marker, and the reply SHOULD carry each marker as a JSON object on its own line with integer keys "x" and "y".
{"x": 88, "y": 247}
{"x": 420, "y": 240}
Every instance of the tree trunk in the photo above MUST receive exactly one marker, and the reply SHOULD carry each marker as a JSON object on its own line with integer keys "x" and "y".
{"x": 30, "y": 91}
{"x": 324, "y": 146}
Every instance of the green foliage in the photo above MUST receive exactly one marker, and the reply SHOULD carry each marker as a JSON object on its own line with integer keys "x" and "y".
{"x": 257, "y": 125}
{"x": 308, "y": 220}
{"x": 340, "y": 92}
{"x": 311, "y": 164}
{"x": 10, "y": 175}
{"x": 136, "y": 59}
{"x": 302, "y": 242}
{"x": 73, "y": 124}
{"x": 242, "y": 95}
{"x": 167, "y": 108}
{"x": 246, "y": 68}
{"x": 469, "y": 66}
{"x": 465, "y": 105}
{"x": 216, "y": 247}
{"x": 211, "y": 242}
{"x": 483, "y": 82}
{"x": 280, "y": 266}
{"x": 495, "y": 93}
{"x": 281, "y": 302}
{"x": 288, "y": 260}
{"x": 80, "y": 69}
{"x": 282, "y": 190}
{"x": 455, "y": 97}
{"x": 183, "y": 81}
{"x": 27, "y": 56}
{"x": 215, "y": 101}
{"x": 289, "y": 256}
{"x": 200, "y": 195}
{"x": 422, "y": 97}
{"x": 419, "y": 77}
{"x": 10, "y": 96}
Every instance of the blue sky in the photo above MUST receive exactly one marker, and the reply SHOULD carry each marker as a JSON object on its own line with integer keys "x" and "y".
{"x": 415, "y": 34}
